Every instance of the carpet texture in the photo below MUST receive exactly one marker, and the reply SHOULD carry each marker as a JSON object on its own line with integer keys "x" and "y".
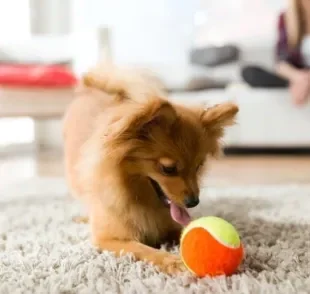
{"x": 43, "y": 251}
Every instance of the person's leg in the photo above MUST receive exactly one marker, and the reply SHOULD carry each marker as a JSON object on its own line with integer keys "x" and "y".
{"x": 258, "y": 77}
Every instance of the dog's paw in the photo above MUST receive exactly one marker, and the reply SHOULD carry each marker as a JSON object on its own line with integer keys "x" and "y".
{"x": 171, "y": 264}
{"x": 80, "y": 219}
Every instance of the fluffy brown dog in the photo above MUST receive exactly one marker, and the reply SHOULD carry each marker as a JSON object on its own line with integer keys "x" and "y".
{"x": 135, "y": 160}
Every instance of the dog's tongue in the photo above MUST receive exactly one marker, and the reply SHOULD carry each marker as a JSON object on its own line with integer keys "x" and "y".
{"x": 179, "y": 214}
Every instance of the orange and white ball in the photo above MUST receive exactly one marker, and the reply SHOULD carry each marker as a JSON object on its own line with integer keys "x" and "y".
{"x": 211, "y": 246}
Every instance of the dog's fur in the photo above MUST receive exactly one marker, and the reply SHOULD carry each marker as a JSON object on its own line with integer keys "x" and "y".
{"x": 119, "y": 131}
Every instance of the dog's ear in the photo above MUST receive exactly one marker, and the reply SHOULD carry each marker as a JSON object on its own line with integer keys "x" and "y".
{"x": 138, "y": 118}
{"x": 216, "y": 118}
{"x": 154, "y": 113}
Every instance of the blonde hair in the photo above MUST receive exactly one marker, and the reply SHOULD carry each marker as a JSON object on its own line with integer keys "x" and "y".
{"x": 293, "y": 21}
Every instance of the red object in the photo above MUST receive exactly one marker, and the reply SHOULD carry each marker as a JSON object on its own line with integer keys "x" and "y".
{"x": 36, "y": 76}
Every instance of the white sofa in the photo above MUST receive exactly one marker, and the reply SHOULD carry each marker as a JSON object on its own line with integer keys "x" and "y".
{"x": 267, "y": 117}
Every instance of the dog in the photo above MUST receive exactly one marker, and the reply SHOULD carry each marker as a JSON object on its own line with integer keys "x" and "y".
{"x": 135, "y": 159}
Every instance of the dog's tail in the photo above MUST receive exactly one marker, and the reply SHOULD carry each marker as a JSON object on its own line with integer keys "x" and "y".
{"x": 126, "y": 83}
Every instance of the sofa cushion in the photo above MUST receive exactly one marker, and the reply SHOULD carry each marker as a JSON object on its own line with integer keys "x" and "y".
{"x": 186, "y": 77}
{"x": 36, "y": 76}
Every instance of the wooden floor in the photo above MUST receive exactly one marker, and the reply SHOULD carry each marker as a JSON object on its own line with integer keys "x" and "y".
{"x": 230, "y": 170}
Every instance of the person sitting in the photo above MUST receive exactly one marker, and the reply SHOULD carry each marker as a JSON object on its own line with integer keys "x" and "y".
{"x": 292, "y": 68}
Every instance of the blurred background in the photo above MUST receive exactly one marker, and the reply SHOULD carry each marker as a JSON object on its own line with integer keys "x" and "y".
{"x": 204, "y": 51}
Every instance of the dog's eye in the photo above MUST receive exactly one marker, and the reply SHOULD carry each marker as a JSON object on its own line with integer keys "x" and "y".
{"x": 169, "y": 170}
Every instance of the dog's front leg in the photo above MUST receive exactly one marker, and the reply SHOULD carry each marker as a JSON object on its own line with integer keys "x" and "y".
{"x": 166, "y": 262}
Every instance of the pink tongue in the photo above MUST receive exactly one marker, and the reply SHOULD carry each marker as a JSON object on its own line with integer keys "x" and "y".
{"x": 179, "y": 214}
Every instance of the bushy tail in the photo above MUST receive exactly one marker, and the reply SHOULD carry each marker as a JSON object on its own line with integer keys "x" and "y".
{"x": 125, "y": 83}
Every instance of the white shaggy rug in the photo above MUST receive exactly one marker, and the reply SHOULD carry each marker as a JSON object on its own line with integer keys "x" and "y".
{"x": 43, "y": 251}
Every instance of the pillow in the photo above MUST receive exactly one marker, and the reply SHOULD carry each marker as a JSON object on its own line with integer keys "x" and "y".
{"x": 185, "y": 77}
{"x": 214, "y": 55}
{"x": 36, "y": 76}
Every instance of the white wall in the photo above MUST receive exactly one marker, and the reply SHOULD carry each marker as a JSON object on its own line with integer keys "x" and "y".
{"x": 161, "y": 31}
{"x": 50, "y": 16}
{"x": 238, "y": 21}
{"x": 142, "y": 31}
{"x": 14, "y": 23}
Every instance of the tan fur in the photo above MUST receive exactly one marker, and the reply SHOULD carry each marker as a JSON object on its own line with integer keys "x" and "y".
{"x": 126, "y": 83}
{"x": 117, "y": 132}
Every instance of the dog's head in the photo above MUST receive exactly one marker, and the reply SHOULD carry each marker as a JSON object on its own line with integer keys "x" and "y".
{"x": 168, "y": 144}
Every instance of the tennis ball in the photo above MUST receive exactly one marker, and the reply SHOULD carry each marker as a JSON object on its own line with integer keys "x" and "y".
{"x": 211, "y": 246}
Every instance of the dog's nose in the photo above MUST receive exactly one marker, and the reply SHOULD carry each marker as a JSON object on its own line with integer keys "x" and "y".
{"x": 191, "y": 201}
